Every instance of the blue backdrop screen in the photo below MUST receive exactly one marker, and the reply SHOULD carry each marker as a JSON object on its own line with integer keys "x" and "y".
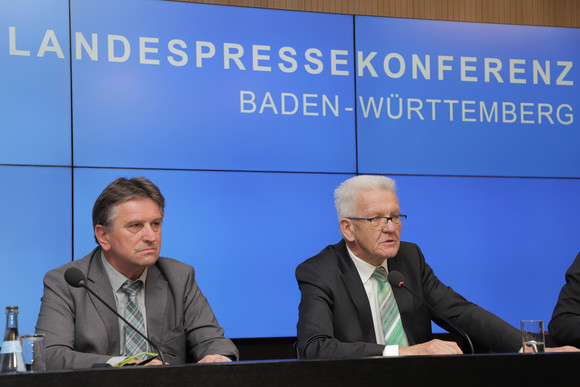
{"x": 449, "y": 98}
{"x": 210, "y": 87}
{"x": 35, "y": 109}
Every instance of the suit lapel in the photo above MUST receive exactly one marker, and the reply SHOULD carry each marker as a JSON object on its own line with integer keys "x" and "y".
{"x": 356, "y": 290}
{"x": 156, "y": 288}
{"x": 98, "y": 282}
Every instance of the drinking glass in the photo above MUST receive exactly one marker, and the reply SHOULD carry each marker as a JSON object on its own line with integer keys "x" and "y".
{"x": 533, "y": 340}
{"x": 33, "y": 352}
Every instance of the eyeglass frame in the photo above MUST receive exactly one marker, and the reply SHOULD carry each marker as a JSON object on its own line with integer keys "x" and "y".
{"x": 387, "y": 218}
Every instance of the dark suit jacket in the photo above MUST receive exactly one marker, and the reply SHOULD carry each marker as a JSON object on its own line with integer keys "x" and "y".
{"x": 565, "y": 324}
{"x": 335, "y": 317}
{"x": 81, "y": 331}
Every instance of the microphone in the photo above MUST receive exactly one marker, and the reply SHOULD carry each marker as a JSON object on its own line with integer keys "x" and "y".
{"x": 397, "y": 280}
{"x": 75, "y": 278}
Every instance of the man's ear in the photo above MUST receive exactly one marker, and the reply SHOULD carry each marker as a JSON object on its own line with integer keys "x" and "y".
{"x": 102, "y": 236}
{"x": 346, "y": 228}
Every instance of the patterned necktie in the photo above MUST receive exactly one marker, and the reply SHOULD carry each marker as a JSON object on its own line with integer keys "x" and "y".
{"x": 392, "y": 326}
{"x": 134, "y": 343}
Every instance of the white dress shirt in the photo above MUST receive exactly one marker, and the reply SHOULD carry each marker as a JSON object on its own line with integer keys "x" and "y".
{"x": 365, "y": 271}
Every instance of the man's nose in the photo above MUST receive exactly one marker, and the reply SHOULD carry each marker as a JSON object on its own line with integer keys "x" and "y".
{"x": 388, "y": 225}
{"x": 148, "y": 233}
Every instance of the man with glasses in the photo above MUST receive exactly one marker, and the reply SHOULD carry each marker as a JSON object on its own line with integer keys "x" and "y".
{"x": 347, "y": 307}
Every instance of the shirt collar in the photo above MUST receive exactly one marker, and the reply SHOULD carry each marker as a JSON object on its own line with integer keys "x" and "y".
{"x": 117, "y": 279}
{"x": 365, "y": 269}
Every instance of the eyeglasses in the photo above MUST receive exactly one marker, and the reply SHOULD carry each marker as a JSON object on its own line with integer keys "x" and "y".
{"x": 383, "y": 220}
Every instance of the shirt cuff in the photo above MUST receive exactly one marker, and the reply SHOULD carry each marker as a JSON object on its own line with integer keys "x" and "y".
{"x": 391, "y": 350}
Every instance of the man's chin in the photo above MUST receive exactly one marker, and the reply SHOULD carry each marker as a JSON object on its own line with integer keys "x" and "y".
{"x": 149, "y": 258}
{"x": 390, "y": 252}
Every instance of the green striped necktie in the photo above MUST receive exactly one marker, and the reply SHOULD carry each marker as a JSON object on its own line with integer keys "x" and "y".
{"x": 390, "y": 316}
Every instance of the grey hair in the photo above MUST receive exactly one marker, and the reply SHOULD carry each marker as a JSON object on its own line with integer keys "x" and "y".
{"x": 345, "y": 194}
{"x": 122, "y": 190}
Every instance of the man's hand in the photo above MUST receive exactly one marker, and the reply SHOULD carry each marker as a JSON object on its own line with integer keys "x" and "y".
{"x": 566, "y": 348}
{"x": 214, "y": 359}
{"x": 433, "y": 347}
{"x": 154, "y": 362}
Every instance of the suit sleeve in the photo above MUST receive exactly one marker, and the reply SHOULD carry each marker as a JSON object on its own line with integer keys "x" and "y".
{"x": 565, "y": 324}
{"x": 483, "y": 327}
{"x": 56, "y": 321}
{"x": 318, "y": 316}
{"x": 203, "y": 334}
